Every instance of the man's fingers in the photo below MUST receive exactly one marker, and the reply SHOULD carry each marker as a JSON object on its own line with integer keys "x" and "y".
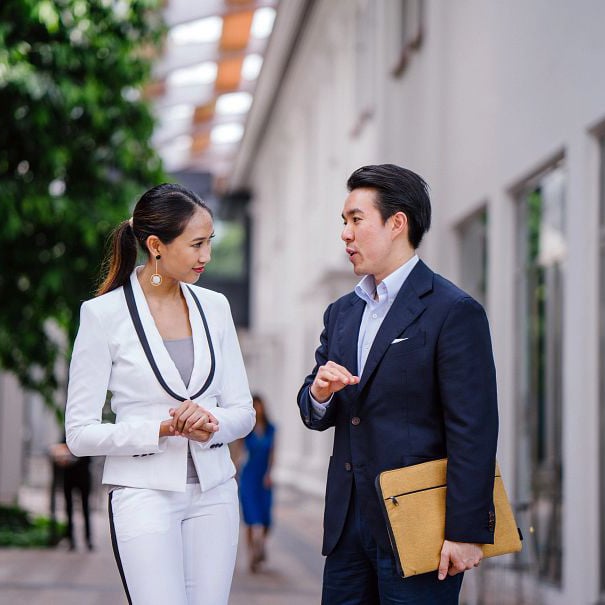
{"x": 456, "y": 568}
{"x": 341, "y": 372}
{"x": 333, "y": 376}
{"x": 444, "y": 564}
{"x": 329, "y": 379}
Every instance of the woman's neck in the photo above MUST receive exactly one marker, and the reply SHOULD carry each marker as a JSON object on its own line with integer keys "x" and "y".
{"x": 168, "y": 289}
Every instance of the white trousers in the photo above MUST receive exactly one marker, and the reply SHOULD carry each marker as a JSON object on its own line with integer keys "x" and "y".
{"x": 175, "y": 548}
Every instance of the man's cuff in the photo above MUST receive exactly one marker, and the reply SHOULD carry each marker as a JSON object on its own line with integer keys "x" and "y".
{"x": 319, "y": 409}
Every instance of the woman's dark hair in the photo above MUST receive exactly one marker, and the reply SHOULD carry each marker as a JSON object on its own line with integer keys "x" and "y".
{"x": 163, "y": 211}
{"x": 261, "y": 400}
{"x": 397, "y": 190}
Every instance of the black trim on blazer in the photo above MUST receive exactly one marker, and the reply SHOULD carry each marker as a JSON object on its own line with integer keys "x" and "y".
{"x": 138, "y": 326}
{"x": 116, "y": 552}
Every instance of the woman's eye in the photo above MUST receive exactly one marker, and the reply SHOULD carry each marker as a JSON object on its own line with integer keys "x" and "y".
{"x": 203, "y": 242}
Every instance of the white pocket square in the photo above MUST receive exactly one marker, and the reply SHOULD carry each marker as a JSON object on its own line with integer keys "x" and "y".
{"x": 399, "y": 340}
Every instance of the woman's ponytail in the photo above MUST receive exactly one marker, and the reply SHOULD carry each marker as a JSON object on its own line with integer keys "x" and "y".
{"x": 121, "y": 259}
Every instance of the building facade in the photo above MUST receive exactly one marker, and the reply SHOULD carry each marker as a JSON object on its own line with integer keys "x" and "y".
{"x": 501, "y": 107}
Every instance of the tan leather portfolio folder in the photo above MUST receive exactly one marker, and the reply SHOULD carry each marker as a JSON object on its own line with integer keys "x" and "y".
{"x": 413, "y": 500}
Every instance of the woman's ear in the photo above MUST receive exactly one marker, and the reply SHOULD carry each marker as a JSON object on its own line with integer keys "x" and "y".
{"x": 153, "y": 245}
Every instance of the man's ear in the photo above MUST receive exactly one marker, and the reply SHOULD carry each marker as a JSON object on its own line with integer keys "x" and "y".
{"x": 399, "y": 223}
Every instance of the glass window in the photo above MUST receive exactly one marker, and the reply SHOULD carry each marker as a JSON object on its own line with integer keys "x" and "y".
{"x": 228, "y": 249}
{"x": 229, "y": 271}
{"x": 472, "y": 237}
{"x": 411, "y": 32}
{"x": 541, "y": 248}
{"x": 365, "y": 61}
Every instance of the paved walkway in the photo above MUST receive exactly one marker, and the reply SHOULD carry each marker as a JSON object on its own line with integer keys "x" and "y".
{"x": 291, "y": 575}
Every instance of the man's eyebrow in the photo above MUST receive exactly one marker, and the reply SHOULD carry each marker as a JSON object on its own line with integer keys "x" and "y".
{"x": 352, "y": 211}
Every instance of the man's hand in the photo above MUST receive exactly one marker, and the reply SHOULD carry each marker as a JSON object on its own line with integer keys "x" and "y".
{"x": 331, "y": 378}
{"x": 457, "y": 557}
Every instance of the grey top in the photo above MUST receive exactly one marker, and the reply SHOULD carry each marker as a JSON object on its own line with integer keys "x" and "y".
{"x": 181, "y": 352}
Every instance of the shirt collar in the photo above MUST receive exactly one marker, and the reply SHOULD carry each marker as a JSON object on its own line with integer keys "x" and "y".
{"x": 389, "y": 286}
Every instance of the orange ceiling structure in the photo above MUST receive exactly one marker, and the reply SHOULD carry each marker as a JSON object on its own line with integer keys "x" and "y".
{"x": 204, "y": 80}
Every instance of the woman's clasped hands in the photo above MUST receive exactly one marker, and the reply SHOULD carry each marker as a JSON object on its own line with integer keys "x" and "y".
{"x": 191, "y": 421}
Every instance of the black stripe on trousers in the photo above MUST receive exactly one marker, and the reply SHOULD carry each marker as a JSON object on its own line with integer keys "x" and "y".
{"x": 116, "y": 552}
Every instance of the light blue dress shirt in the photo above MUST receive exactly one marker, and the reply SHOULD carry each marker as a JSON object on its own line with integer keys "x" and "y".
{"x": 379, "y": 300}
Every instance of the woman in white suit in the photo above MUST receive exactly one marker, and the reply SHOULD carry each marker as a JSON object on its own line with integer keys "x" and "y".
{"x": 168, "y": 353}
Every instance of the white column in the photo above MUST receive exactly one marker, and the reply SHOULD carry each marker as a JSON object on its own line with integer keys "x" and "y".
{"x": 581, "y": 377}
{"x": 11, "y": 437}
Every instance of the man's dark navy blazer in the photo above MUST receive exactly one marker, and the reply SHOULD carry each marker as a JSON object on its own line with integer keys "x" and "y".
{"x": 430, "y": 395}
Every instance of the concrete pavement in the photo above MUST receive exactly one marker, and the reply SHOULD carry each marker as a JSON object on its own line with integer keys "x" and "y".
{"x": 291, "y": 574}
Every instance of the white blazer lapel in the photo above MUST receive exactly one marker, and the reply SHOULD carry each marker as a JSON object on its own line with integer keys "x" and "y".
{"x": 166, "y": 366}
{"x": 201, "y": 346}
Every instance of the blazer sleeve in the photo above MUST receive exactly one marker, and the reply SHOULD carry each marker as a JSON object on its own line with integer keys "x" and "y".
{"x": 305, "y": 405}
{"x": 235, "y": 413}
{"x": 467, "y": 385}
{"x": 89, "y": 375}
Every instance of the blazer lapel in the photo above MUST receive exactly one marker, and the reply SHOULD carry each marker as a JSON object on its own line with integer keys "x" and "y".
{"x": 201, "y": 347}
{"x": 406, "y": 307}
{"x": 348, "y": 333}
{"x": 162, "y": 358}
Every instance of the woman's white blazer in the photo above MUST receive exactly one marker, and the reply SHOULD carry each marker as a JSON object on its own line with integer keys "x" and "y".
{"x": 108, "y": 356}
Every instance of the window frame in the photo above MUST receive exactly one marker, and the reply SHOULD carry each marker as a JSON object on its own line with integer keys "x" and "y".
{"x": 601, "y": 327}
{"x": 539, "y": 371}
{"x": 478, "y": 291}
{"x": 412, "y": 29}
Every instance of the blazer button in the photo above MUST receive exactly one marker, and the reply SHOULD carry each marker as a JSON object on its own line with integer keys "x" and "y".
{"x": 347, "y": 466}
{"x": 355, "y": 420}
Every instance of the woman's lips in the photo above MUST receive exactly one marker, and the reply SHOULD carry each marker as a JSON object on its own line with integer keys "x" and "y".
{"x": 198, "y": 269}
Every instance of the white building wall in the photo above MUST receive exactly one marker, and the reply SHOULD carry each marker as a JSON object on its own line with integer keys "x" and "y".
{"x": 496, "y": 91}
{"x": 12, "y": 403}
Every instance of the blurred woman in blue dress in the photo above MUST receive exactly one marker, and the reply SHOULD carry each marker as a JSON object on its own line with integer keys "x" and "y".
{"x": 255, "y": 484}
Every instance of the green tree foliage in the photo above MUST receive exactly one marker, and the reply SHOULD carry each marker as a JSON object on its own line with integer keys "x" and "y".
{"x": 74, "y": 154}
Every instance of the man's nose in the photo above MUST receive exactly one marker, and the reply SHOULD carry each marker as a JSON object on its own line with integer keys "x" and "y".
{"x": 346, "y": 234}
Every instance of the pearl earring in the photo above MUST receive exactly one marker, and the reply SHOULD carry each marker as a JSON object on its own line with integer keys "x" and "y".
{"x": 156, "y": 278}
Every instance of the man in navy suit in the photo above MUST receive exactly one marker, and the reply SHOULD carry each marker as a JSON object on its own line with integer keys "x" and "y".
{"x": 405, "y": 374}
